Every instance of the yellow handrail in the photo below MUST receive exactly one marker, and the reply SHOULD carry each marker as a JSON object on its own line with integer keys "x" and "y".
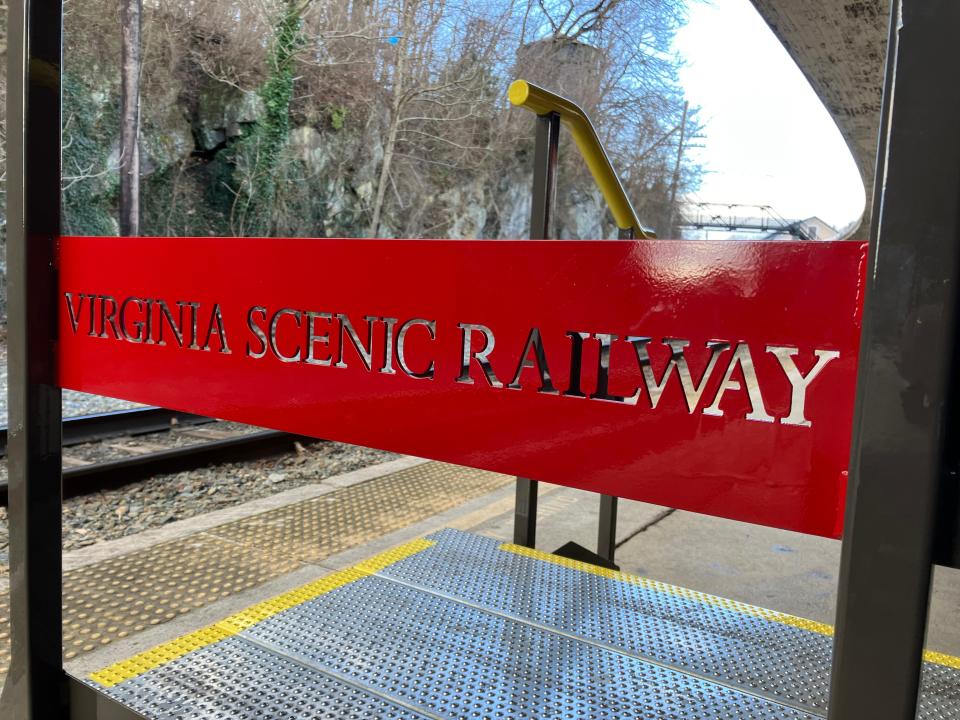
{"x": 542, "y": 102}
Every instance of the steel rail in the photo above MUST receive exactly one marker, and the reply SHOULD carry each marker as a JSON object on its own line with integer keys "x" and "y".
{"x": 92, "y": 478}
{"x": 543, "y": 102}
{"x": 118, "y": 423}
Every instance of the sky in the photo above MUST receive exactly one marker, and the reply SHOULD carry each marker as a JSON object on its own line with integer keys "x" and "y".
{"x": 768, "y": 140}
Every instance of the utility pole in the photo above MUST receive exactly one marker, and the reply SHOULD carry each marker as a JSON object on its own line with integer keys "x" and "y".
{"x": 130, "y": 19}
{"x": 676, "y": 168}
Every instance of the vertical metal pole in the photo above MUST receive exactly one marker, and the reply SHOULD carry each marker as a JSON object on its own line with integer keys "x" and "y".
{"x": 607, "y": 530}
{"x": 525, "y": 513}
{"x": 545, "y": 176}
{"x": 36, "y": 685}
{"x": 541, "y": 228}
{"x": 607, "y": 525}
{"x": 904, "y": 387}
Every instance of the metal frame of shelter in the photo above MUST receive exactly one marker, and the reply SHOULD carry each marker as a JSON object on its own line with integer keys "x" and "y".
{"x": 902, "y": 499}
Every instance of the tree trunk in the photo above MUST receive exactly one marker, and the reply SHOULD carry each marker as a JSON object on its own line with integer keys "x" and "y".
{"x": 396, "y": 107}
{"x": 671, "y": 230}
{"x": 130, "y": 18}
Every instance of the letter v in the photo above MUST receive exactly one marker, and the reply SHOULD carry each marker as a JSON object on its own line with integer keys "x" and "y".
{"x": 74, "y": 314}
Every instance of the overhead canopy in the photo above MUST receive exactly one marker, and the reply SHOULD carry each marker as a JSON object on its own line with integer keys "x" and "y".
{"x": 840, "y": 45}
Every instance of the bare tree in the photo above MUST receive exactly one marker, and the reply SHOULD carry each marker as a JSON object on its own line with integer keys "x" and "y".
{"x": 374, "y": 117}
{"x": 130, "y": 19}
{"x": 442, "y": 98}
{"x": 408, "y": 11}
{"x": 570, "y": 20}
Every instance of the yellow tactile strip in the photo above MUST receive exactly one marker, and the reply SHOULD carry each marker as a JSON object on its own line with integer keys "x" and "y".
{"x": 327, "y": 525}
{"x": 119, "y": 597}
{"x": 110, "y": 600}
{"x": 234, "y": 624}
{"x": 752, "y": 610}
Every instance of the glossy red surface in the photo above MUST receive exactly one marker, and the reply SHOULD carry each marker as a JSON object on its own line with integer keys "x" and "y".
{"x": 802, "y": 295}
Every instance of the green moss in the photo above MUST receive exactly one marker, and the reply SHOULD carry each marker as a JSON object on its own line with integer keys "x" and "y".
{"x": 90, "y": 197}
{"x": 257, "y": 156}
{"x": 338, "y": 117}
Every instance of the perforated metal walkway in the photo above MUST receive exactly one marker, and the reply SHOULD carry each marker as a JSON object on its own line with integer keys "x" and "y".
{"x": 462, "y": 626}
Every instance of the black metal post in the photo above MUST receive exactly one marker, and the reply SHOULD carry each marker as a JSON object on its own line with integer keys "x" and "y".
{"x": 541, "y": 228}
{"x": 525, "y": 513}
{"x": 36, "y": 685}
{"x": 903, "y": 394}
{"x": 545, "y": 176}
{"x": 607, "y": 528}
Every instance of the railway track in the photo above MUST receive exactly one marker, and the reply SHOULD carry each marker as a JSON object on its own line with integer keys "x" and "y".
{"x": 141, "y": 458}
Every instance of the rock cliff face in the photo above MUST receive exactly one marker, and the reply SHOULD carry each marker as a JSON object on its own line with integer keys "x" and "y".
{"x": 327, "y": 179}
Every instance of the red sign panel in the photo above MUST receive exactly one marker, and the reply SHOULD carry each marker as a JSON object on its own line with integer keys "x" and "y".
{"x": 716, "y": 377}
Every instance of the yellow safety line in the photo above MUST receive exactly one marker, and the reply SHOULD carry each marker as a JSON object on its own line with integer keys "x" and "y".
{"x": 752, "y": 610}
{"x": 230, "y": 626}
{"x": 941, "y": 659}
{"x": 541, "y": 101}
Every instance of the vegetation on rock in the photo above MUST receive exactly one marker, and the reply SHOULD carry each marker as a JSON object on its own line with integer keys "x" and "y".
{"x": 357, "y": 117}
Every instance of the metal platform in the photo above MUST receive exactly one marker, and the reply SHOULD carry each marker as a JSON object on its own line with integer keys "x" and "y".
{"x": 461, "y": 626}
{"x": 108, "y": 601}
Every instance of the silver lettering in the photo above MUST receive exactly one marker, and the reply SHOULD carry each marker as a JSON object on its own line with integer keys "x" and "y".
{"x": 149, "y": 316}
{"x": 108, "y": 315}
{"x": 692, "y": 392}
{"x": 138, "y": 324}
{"x": 274, "y": 322}
{"x": 603, "y": 374}
{"x": 481, "y": 356}
{"x": 313, "y": 338}
{"x": 576, "y": 363}
{"x": 388, "y": 325}
{"x": 539, "y": 361}
{"x": 216, "y": 319}
{"x": 798, "y": 382}
{"x": 743, "y": 358}
{"x": 365, "y": 352}
{"x": 74, "y": 313}
{"x": 93, "y": 317}
{"x": 431, "y": 327}
{"x": 194, "y": 311}
{"x": 165, "y": 313}
{"x": 257, "y": 331}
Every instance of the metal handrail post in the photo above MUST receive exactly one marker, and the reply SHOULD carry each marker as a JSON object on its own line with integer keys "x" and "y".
{"x": 607, "y": 528}
{"x": 609, "y": 504}
{"x": 541, "y": 228}
{"x": 543, "y": 102}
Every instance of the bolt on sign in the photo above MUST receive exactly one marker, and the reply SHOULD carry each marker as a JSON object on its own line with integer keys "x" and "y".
{"x": 699, "y": 375}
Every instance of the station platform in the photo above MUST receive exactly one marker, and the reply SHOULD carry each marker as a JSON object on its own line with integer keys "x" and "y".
{"x": 457, "y": 625}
